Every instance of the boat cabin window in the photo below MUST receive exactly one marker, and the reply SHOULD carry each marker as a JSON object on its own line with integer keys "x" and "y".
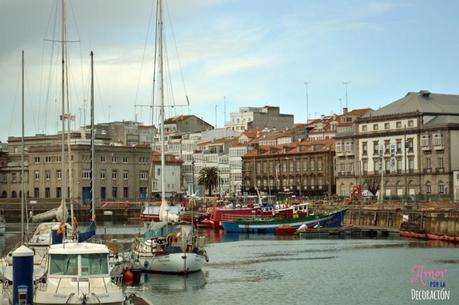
{"x": 62, "y": 264}
{"x": 94, "y": 264}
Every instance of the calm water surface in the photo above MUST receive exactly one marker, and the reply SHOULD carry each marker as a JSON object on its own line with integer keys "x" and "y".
{"x": 260, "y": 269}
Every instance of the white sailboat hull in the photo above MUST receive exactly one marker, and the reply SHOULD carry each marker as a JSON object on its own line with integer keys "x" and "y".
{"x": 174, "y": 262}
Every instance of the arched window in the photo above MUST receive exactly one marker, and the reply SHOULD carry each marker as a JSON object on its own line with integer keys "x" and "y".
{"x": 428, "y": 187}
{"x": 14, "y": 194}
{"x": 441, "y": 187}
{"x": 4, "y": 194}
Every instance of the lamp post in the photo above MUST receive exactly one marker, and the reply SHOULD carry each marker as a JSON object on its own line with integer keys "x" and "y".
{"x": 192, "y": 169}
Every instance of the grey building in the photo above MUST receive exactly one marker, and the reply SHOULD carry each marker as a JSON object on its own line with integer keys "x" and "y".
{"x": 259, "y": 117}
{"x": 411, "y": 140}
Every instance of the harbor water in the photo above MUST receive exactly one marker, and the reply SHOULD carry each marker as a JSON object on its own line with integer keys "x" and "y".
{"x": 263, "y": 269}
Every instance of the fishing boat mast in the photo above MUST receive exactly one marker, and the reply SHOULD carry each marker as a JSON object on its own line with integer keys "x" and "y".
{"x": 22, "y": 156}
{"x": 161, "y": 96}
{"x": 63, "y": 171}
{"x": 93, "y": 150}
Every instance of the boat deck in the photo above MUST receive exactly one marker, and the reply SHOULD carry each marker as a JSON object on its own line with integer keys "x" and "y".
{"x": 135, "y": 300}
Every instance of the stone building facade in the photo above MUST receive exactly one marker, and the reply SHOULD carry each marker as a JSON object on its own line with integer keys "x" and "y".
{"x": 410, "y": 140}
{"x": 302, "y": 168}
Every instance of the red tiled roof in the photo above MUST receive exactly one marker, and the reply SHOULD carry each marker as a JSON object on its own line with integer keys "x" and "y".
{"x": 169, "y": 158}
{"x": 303, "y": 147}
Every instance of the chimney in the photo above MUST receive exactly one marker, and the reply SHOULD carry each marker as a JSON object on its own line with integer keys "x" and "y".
{"x": 424, "y": 93}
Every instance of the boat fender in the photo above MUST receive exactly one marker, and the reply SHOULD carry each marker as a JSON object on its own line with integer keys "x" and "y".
{"x": 146, "y": 264}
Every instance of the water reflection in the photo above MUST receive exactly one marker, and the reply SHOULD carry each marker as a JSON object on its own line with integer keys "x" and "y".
{"x": 166, "y": 283}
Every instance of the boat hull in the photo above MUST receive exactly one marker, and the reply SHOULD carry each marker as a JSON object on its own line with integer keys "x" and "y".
{"x": 269, "y": 226}
{"x": 173, "y": 263}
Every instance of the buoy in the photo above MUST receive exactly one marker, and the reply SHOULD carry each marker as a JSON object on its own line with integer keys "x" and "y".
{"x": 128, "y": 277}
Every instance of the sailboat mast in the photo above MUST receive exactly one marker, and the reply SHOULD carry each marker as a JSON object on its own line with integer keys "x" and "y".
{"x": 161, "y": 93}
{"x": 93, "y": 150}
{"x": 63, "y": 172}
{"x": 22, "y": 156}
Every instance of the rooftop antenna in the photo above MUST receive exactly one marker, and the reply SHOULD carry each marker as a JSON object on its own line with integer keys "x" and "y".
{"x": 307, "y": 100}
{"x": 346, "y": 83}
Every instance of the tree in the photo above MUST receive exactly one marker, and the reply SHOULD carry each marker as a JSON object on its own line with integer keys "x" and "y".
{"x": 208, "y": 177}
{"x": 373, "y": 184}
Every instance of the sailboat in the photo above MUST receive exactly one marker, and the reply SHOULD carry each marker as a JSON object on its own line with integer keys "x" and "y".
{"x": 163, "y": 247}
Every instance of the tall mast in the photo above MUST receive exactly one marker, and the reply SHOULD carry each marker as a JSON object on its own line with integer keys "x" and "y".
{"x": 22, "y": 156}
{"x": 63, "y": 172}
{"x": 161, "y": 94}
{"x": 93, "y": 150}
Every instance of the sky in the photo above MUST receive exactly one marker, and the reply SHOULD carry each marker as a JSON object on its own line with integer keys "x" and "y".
{"x": 223, "y": 54}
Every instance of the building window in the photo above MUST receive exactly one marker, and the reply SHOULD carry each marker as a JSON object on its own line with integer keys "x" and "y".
{"x": 375, "y": 127}
{"x": 125, "y": 192}
{"x": 102, "y": 159}
{"x": 441, "y": 187}
{"x": 47, "y": 192}
{"x": 375, "y": 148}
{"x": 125, "y": 159}
{"x": 114, "y": 159}
{"x": 410, "y": 123}
{"x": 103, "y": 193}
{"x": 58, "y": 192}
{"x": 143, "y": 175}
{"x": 399, "y": 146}
{"x": 399, "y": 165}
{"x": 440, "y": 162}
{"x": 398, "y": 124}
{"x": 319, "y": 164}
{"x": 428, "y": 187}
{"x": 312, "y": 167}
{"x": 364, "y": 127}
{"x": 13, "y": 177}
{"x": 58, "y": 174}
{"x": 425, "y": 140}
{"x": 386, "y": 125}
{"x": 428, "y": 163}
{"x": 86, "y": 174}
{"x": 438, "y": 140}
{"x": 125, "y": 174}
{"x": 102, "y": 174}
{"x": 37, "y": 175}
{"x": 364, "y": 148}
{"x": 158, "y": 172}
{"x": 386, "y": 146}
{"x": 114, "y": 174}
{"x": 114, "y": 192}
{"x": 36, "y": 192}
{"x": 36, "y": 160}
{"x": 409, "y": 145}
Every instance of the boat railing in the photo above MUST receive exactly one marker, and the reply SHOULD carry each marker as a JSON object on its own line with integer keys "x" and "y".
{"x": 233, "y": 217}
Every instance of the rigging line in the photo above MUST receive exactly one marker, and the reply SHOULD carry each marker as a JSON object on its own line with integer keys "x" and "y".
{"x": 50, "y": 72}
{"x": 143, "y": 57}
{"x": 99, "y": 94}
{"x": 176, "y": 50}
{"x": 169, "y": 80}
{"x": 75, "y": 20}
{"x": 40, "y": 94}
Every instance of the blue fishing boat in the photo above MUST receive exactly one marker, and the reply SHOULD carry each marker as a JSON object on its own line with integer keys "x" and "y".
{"x": 329, "y": 220}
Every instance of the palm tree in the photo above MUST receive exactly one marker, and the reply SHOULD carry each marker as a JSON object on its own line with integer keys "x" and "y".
{"x": 208, "y": 177}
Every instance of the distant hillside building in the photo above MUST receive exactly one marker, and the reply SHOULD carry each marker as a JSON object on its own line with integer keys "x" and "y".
{"x": 259, "y": 117}
{"x": 185, "y": 124}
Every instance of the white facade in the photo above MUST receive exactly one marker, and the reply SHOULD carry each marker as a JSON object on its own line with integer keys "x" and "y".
{"x": 172, "y": 179}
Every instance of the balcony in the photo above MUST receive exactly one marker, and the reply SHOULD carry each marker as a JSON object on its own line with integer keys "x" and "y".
{"x": 440, "y": 170}
{"x": 427, "y": 170}
{"x": 426, "y": 147}
{"x": 439, "y": 146}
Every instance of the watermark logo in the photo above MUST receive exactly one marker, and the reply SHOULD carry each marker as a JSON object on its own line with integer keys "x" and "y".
{"x": 432, "y": 282}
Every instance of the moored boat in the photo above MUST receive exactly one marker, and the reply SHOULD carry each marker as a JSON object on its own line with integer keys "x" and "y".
{"x": 334, "y": 219}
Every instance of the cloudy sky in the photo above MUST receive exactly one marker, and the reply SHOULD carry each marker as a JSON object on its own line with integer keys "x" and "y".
{"x": 254, "y": 53}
